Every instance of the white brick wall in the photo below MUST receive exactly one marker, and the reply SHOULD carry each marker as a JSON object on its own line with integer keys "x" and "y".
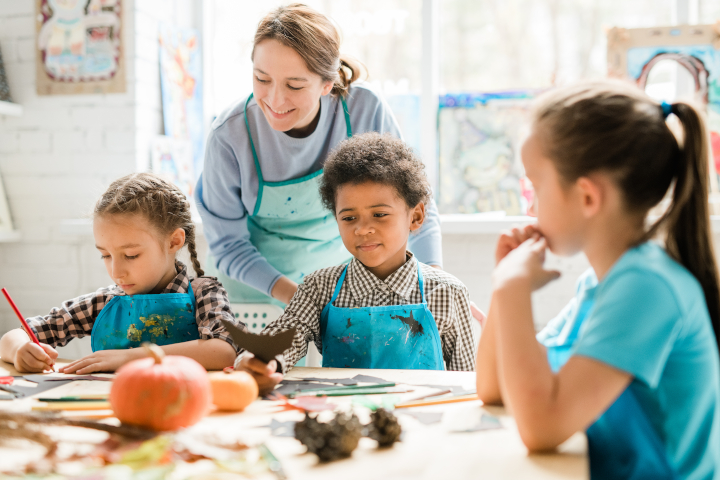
{"x": 60, "y": 155}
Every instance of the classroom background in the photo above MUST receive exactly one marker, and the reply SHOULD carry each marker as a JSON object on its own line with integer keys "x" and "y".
{"x": 458, "y": 74}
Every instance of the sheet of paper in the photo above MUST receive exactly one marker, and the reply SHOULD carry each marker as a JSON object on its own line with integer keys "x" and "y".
{"x": 79, "y": 389}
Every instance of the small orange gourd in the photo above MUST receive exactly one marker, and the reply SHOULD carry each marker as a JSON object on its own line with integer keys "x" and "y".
{"x": 233, "y": 391}
{"x": 161, "y": 392}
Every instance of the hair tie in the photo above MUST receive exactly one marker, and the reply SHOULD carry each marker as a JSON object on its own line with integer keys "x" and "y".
{"x": 666, "y": 109}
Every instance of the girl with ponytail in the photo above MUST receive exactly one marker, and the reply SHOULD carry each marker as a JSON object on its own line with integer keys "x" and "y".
{"x": 140, "y": 223}
{"x": 633, "y": 359}
{"x": 259, "y": 191}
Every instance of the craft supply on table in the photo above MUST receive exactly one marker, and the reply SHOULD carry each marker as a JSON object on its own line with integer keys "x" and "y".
{"x": 273, "y": 463}
{"x": 264, "y": 347}
{"x": 72, "y": 405}
{"x": 438, "y": 401}
{"x": 22, "y": 321}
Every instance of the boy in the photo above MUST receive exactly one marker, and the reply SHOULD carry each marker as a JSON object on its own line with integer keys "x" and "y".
{"x": 383, "y": 309}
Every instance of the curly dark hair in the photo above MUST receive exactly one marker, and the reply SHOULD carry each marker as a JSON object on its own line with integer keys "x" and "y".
{"x": 372, "y": 157}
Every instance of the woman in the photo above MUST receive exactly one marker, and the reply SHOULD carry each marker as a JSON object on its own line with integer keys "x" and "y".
{"x": 258, "y": 195}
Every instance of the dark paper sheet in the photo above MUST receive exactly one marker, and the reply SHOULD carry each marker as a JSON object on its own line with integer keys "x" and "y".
{"x": 369, "y": 379}
{"x": 264, "y": 347}
{"x": 338, "y": 381}
{"x": 42, "y": 385}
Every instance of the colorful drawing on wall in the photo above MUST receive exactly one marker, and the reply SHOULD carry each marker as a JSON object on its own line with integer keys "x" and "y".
{"x": 172, "y": 159}
{"x": 80, "y": 47}
{"x": 632, "y": 53}
{"x": 4, "y": 86}
{"x": 479, "y": 138}
{"x": 181, "y": 82}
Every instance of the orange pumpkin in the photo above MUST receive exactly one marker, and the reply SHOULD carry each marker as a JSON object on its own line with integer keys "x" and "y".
{"x": 233, "y": 391}
{"x": 161, "y": 392}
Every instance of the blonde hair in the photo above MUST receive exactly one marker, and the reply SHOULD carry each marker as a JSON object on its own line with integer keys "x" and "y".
{"x": 161, "y": 202}
{"x": 314, "y": 37}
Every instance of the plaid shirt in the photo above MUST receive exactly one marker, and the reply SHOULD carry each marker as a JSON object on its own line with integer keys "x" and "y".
{"x": 75, "y": 318}
{"x": 446, "y": 296}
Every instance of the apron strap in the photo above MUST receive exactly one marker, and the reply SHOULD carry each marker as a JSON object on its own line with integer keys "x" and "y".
{"x": 347, "y": 117}
{"x": 339, "y": 285}
{"x": 420, "y": 281}
{"x": 252, "y": 145}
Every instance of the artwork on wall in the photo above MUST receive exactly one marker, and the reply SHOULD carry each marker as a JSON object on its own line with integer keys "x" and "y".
{"x": 172, "y": 159}
{"x": 479, "y": 138}
{"x": 4, "y": 86}
{"x": 181, "y": 83}
{"x": 632, "y": 53}
{"x": 79, "y": 47}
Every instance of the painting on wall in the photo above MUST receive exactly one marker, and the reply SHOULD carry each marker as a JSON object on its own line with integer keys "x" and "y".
{"x": 632, "y": 54}
{"x": 479, "y": 139}
{"x": 172, "y": 159}
{"x": 79, "y": 47}
{"x": 4, "y": 86}
{"x": 181, "y": 83}
{"x": 6, "y": 224}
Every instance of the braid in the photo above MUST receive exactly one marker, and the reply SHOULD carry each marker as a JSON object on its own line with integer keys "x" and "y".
{"x": 161, "y": 202}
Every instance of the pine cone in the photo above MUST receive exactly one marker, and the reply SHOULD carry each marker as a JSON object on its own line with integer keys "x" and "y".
{"x": 384, "y": 427}
{"x": 330, "y": 441}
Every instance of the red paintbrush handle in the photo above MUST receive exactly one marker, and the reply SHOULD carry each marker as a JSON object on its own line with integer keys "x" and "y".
{"x": 22, "y": 319}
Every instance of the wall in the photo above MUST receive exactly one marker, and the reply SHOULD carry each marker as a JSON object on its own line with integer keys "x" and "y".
{"x": 62, "y": 153}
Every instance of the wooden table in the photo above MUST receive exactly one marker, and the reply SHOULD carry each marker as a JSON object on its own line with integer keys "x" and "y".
{"x": 425, "y": 452}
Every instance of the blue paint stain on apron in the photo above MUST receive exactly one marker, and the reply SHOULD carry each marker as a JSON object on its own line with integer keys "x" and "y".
{"x": 289, "y": 227}
{"x": 394, "y": 336}
{"x": 622, "y": 443}
{"x": 129, "y": 320}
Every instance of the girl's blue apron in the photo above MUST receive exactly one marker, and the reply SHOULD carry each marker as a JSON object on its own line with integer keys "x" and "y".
{"x": 622, "y": 443}
{"x": 289, "y": 227}
{"x": 127, "y": 321}
{"x": 394, "y": 336}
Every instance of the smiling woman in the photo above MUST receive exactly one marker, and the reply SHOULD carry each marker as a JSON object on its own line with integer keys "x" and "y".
{"x": 258, "y": 194}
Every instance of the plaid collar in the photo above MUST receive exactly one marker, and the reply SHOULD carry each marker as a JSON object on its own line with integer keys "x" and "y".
{"x": 362, "y": 282}
{"x": 179, "y": 284}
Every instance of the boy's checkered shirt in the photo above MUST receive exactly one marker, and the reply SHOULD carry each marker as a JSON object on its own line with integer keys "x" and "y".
{"x": 446, "y": 296}
{"x": 75, "y": 318}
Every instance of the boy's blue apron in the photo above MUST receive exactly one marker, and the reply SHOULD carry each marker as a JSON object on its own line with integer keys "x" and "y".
{"x": 622, "y": 443}
{"x": 129, "y": 320}
{"x": 289, "y": 227}
{"x": 394, "y": 336}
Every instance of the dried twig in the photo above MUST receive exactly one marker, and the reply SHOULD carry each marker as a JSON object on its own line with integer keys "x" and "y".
{"x": 22, "y": 419}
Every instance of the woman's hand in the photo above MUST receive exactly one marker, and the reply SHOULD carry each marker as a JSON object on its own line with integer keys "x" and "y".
{"x": 103, "y": 361}
{"x": 511, "y": 239}
{"x": 33, "y": 358}
{"x": 265, "y": 374}
{"x": 524, "y": 264}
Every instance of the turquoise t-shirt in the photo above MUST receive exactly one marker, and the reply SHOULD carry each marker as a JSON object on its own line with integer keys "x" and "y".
{"x": 648, "y": 317}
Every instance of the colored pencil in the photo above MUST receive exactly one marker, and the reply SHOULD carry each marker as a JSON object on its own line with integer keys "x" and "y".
{"x": 273, "y": 463}
{"x": 97, "y": 405}
{"x": 23, "y": 322}
{"x": 439, "y": 401}
{"x": 358, "y": 391}
{"x": 338, "y": 389}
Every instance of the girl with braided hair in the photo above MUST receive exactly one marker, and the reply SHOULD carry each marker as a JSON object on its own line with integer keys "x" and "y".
{"x": 140, "y": 224}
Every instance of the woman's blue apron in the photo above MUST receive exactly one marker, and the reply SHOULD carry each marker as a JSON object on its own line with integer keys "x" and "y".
{"x": 289, "y": 227}
{"x": 394, "y": 336}
{"x": 622, "y": 443}
{"x": 127, "y": 321}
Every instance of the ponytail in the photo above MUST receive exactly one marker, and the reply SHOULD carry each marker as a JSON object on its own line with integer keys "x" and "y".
{"x": 687, "y": 221}
{"x": 614, "y": 127}
{"x": 356, "y": 68}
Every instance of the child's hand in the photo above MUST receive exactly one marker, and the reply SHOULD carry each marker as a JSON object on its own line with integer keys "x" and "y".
{"x": 478, "y": 314}
{"x": 265, "y": 374}
{"x": 103, "y": 361}
{"x": 32, "y": 358}
{"x": 512, "y": 239}
{"x": 525, "y": 264}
